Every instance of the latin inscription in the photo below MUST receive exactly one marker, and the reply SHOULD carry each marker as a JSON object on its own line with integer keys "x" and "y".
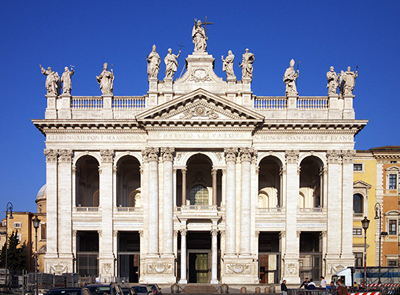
{"x": 95, "y": 137}
{"x": 201, "y": 135}
{"x": 302, "y": 137}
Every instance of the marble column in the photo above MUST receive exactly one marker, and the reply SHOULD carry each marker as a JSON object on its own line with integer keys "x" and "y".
{"x": 52, "y": 220}
{"x": 230, "y": 202}
{"x": 347, "y": 211}
{"x": 65, "y": 203}
{"x": 183, "y": 279}
{"x": 292, "y": 200}
{"x": 106, "y": 259}
{"x": 245, "y": 220}
{"x": 183, "y": 186}
{"x": 152, "y": 158}
{"x": 214, "y": 256}
{"x": 214, "y": 186}
{"x": 168, "y": 230}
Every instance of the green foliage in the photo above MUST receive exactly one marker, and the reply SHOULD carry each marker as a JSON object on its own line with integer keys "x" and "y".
{"x": 16, "y": 254}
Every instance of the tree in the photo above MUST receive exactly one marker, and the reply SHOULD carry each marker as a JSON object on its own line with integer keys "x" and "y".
{"x": 16, "y": 254}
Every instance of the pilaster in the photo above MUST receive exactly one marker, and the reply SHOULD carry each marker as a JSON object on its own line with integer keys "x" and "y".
{"x": 348, "y": 111}
{"x": 334, "y": 106}
{"x": 51, "y": 110}
{"x": 107, "y": 106}
{"x": 64, "y": 110}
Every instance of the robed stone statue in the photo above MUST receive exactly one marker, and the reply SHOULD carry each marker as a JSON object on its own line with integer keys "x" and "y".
{"x": 66, "y": 80}
{"x": 199, "y": 37}
{"x": 227, "y": 65}
{"x": 348, "y": 81}
{"x": 332, "y": 81}
{"x": 106, "y": 80}
{"x": 52, "y": 81}
{"x": 153, "y": 63}
{"x": 247, "y": 65}
{"x": 171, "y": 63}
{"x": 290, "y": 78}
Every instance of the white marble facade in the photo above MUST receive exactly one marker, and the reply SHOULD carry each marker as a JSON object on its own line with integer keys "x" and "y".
{"x": 199, "y": 158}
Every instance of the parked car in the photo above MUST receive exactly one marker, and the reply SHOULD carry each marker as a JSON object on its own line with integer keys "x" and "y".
{"x": 69, "y": 291}
{"x": 140, "y": 290}
{"x": 153, "y": 289}
{"x": 128, "y": 291}
{"x": 105, "y": 289}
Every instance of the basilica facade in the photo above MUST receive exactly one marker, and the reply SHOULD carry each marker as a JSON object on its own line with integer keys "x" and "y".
{"x": 199, "y": 180}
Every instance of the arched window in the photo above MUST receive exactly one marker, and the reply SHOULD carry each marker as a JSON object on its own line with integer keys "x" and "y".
{"x": 358, "y": 203}
{"x": 198, "y": 195}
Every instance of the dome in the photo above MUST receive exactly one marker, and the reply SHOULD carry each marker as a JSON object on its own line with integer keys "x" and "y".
{"x": 41, "y": 195}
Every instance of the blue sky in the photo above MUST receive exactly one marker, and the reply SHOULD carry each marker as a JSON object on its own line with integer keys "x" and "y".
{"x": 88, "y": 33}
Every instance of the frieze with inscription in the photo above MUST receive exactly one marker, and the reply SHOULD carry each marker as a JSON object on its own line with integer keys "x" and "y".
{"x": 95, "y": 137}
{"x": 302, "y": 137}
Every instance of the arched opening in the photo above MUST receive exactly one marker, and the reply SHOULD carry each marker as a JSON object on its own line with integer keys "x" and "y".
{"x": 358, "y": 203}
{"x": 269, "y": 183}
{"x": 199, "y": 182}
{"x": 128, "y": 182}
{"x": 311, "y": 181}
{"x": 87, "y": 182}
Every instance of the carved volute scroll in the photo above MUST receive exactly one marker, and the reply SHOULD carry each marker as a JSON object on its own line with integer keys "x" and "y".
{"x": 230, "y": 154}
{"x": 151, "y": 154}
{"x": 51, "y": 155}
{"x": 107, "y": 156}
{"x": 246, "y": 154}
{"x": 167, "y": 154}
{"x": 292, "y": 156}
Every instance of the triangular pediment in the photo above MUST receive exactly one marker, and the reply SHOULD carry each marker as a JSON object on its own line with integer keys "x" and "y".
{"x": 361, "y": 184}
{"x": 200, "y": 106}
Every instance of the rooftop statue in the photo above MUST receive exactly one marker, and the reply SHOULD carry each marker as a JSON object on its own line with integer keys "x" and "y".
{"x": 153, "y": 63}
{"x": 247, "y": 65}
{"x": 52, "y": 81}
{"x": 290, "y": 78}
{"x": 66, "y": 80}
{"x": 332, "y": 81}
{"x": 347, "y": 81}
{"x": 171, "y": 63}
{"x": 227, "y": 65}
{"x": 106, "y": 80}
{"x": 199, "y": 37}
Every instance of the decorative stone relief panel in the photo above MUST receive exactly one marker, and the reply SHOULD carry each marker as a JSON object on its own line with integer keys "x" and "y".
{"x": 238, "y": 268}
{"x": 58, "y": 269}
{"x": 159, "y": 268}
{"x": 106, "y": 268}
{"x": 292, "y": 269}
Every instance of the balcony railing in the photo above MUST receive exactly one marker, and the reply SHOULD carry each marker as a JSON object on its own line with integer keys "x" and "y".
{"x": 129, "y": 209}
{"x": 270, "y": 102}
{"x": 199, "y": 207}
{"x": 271, "y": 210}
{"x": 86, "y": 103}
{"x": 316, "y": 102}
{"x": 311, "y": 210}
{"x": 87, "y": 209}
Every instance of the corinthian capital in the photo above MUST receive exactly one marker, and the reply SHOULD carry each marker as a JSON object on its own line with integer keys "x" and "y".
{"x": 65, "y": 155}
{"x": 348, "y": 156}
{"x": 230, "y": 154}
{"x": 333, "y": 156}
{"x": 167, "y": 153}
{"x": 51, "y": 155}
{"x": 107, "y": 156}
{"x": 150, "y": 154}
{"x": 292, "y": 156}
{"x": 246, "y": 154}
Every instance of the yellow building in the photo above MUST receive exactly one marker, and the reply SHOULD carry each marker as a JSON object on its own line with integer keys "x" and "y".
{"x": 21, "y": 223}
{"x": 376, "y": 193}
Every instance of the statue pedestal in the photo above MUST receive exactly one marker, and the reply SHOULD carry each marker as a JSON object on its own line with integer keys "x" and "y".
{"x": 291, "y": 105}
{"x": 153, "y": 85}
{"x": 64, "y": 106}
{"x": 348, "y": 111}
{"x": 334, "y": 106}
{"x": 51, "y": 110}
{"x": 107, "y": 106}
{"x": 168, "y": 89}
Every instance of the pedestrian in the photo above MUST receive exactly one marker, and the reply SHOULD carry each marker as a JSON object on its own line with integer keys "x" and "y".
{"x": 311, "y": 285}
{"x": 283, "y": 287}
{"x": 323, "y": 282}
{"x": 305, "y": 283}
{"x": 342, "y": 289}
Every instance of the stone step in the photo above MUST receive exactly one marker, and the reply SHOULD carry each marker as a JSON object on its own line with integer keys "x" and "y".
{"x": 199, "y": 288}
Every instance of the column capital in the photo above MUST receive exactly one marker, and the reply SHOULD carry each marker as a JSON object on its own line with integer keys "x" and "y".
{"x": 282, "y": 234}
{"x": 51, "y": 155}
{"x": 167, "y": 154}
{"x": 292, "y": 156}
{"x": 107, "y": 156}
{"x": 246, "y": 154}
{"x": 100, "y": 233}
{"x": 183, "y": 170}
{"x": 141, "y": 233}
{"x": 183, "y": 232}
{"x": 214, "y": 232}
{"x": 348, "y": 156}
{"x": 230, "y": 154}
{"x": 333, "y": 156}
{"x": 65, "y": 156}
{"x": 150, "y": 154}
{"x": 214, "y": 171}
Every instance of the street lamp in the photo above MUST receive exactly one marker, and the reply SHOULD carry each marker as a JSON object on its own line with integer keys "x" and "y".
{"x": 9, "y": 208}
{"x": 36, "y": 223}
{"x": 365, "y": 225}
{"x": 378, "y": 215}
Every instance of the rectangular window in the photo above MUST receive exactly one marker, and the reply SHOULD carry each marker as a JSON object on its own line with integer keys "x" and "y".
{"x": 393, "y": 162}
{"x": 358, "y": 258}
{"x": 392, "y": 181}
{"x": 357, "y": 232}
{"x": 392, "y": 227}
{"x": 357, "y": 167}
{"x": 17, "y": 224}
{"x": 43, "y": 231}
{"x": 392, "y": 262}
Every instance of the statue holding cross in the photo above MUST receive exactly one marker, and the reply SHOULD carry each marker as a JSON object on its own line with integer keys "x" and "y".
{"x": 200, "y": 36}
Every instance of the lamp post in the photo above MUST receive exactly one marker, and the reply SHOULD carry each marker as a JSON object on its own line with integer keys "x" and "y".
{"x": 365, "y": 225}
{"x": 9, "y": 208}
{"x": 36, "y": 223}
{"x": 378, "y": 215}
